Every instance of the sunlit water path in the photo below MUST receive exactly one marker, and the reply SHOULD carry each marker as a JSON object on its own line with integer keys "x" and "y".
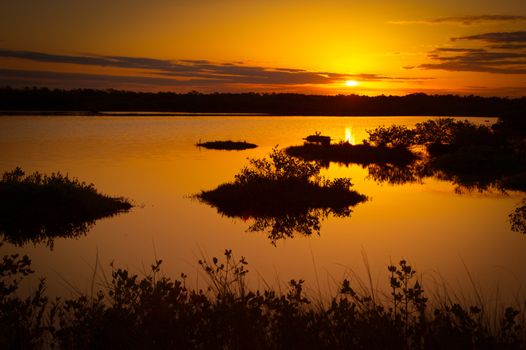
{"x": 153, "y": 161}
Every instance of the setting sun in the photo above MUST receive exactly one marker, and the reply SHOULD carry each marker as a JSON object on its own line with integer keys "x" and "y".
{"x": 351, "y": 83}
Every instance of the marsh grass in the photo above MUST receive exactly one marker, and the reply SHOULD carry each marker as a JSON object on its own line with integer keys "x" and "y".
{"x": 226, "y": 145}
{"x": 154, "y": 311}
{"x": 39, "y": 207}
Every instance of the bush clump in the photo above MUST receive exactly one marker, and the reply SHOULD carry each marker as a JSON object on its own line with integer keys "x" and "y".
{"x": 469, "y": 155}
{"x": 39, "y": 207}
{"x": 281, "y": 188}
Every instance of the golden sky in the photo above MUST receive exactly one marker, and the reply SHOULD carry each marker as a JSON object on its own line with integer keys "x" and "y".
{"x": 324, "y": 47}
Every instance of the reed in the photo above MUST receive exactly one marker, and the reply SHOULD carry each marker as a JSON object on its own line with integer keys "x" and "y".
{"x": 158, "y": 312}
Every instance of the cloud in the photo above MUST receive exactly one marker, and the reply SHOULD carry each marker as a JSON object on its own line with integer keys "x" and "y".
{"x": 188, "y": 72}
{"x": 470, "y": 67}
{"x": 496, "y": 37}
{"x": 499, "y": 53}
{"x": 16, "y": 75}
{"x": 465, "y": 20}
{"x": 477, "y": 60}
{"x": 509, "y": 46}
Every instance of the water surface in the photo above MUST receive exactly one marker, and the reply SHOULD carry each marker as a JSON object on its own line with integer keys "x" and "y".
{"x": 153, "y": 161}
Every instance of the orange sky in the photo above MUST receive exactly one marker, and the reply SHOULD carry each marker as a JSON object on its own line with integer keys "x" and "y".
{"x": 387, "y": 47}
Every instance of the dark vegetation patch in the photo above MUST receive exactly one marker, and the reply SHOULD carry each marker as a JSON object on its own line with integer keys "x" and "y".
{"x": 39, "y": 207}
{"x": 518, "y": 218}
{"x": 471, "y": 156}
{"x": 152, "y": 311}
{"x": 284, "y": 195}
{"x": 268, "y": 198}
{"x": 318, "y": 138}
{"x": 345, "y": 153}
{"x": 226, "y": 145}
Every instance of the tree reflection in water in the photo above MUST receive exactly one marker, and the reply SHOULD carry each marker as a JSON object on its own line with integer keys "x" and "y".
{"x": 472, "y": 157}
{"x": 287, "y": 224}
{"x": 395, "y": 174}
{"x": 42, "y": 232}
{"x": 284, "y": 196}
{"x": 39, "y": 208}
{"x": 518, "y": 218}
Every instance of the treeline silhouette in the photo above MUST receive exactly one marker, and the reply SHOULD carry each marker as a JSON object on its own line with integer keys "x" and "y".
{"x": 89, "y": 100}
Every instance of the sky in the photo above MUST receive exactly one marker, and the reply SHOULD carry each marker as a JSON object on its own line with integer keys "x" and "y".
{"x": 315, "y": 47}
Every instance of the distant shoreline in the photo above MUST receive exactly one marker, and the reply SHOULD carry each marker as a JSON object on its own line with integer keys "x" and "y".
{"x": 43, "y": 101}
{"x": 21, "y": 113}
{"x": 125, "y": 114}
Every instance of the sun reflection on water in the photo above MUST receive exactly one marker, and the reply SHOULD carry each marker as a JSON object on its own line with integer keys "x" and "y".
{"x": 349, "y": 137}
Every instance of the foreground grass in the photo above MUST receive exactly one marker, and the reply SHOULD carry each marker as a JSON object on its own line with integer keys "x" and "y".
{"x": 39, "y": 207}
{"x": 226, "y": 145}
{"x": 133, "y": 312}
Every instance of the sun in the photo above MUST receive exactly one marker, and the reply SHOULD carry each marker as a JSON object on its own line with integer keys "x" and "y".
{"x": 351, "y": 83}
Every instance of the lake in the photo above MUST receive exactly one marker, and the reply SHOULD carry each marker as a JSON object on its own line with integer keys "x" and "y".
{"x": 460, "y": 240}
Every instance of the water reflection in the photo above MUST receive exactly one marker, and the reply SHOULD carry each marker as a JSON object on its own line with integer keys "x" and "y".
{"x": 349, "y": 136}
{"x": 397, "y": 174}
{"x": 287, "y": 224}
{"x": 284, "y": 196}
{"x": 518, "y": 218}
{"x": 471, "y": 157}
{"x": 20, "y": 231}
{"x": 39, "y": 208}
{"x": 466, "y": 178}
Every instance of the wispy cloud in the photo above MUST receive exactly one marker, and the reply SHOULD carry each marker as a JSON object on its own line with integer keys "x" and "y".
{"x": 186, "y": 72}
{"x": 465, "y": 20}
{"x": 14, "y": 75}
{"x": 500, "y": 53}
{"x": 496, "y": 37}
{"x": 509, "y": 46}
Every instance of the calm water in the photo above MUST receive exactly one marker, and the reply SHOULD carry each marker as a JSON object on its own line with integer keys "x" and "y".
{"x": 153, "y": 161}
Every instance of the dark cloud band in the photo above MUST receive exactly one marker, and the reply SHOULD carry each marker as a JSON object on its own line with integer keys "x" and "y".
{"x": 500, "y": 53}
{"x": 188, "y": 72}
{"x": 465, "y": 20}
{"x": 497, "y": 37}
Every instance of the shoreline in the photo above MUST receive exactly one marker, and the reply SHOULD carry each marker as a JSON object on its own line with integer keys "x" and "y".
{"x": 81, "y": 113}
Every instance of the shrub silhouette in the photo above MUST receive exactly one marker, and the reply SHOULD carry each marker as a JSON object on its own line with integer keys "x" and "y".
{"x": 153, "y": 311}
{"x": 518, "y": 218}
{"x": 281, "y": 193}
{"x": 471, "y": 156}
{"x": 39, "y": 207}
{"x": 394, "y": 136}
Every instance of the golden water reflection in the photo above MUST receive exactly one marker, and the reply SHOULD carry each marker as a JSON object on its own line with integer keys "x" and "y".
{"x": 154, "y": 162}
{"x": 349, "y": 137}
